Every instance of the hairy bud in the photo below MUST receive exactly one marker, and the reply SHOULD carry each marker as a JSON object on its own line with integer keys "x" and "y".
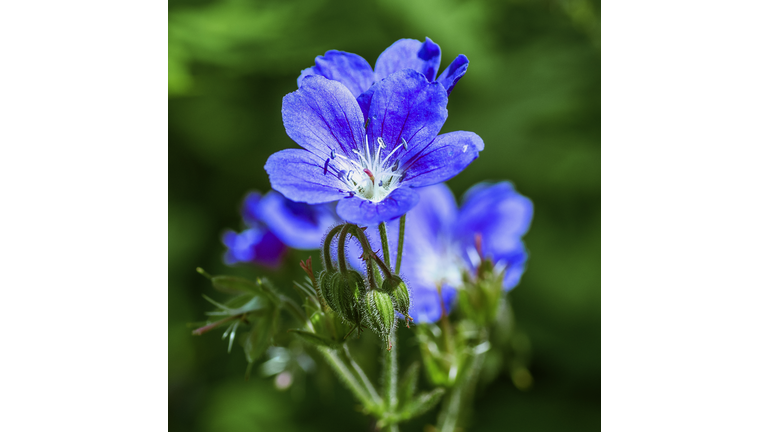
{"x": 324, "y": 280}
{"x": 348, "y": 290}
{"x": 379, "y": 312}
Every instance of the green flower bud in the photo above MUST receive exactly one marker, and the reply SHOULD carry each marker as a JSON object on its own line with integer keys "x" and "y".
{"x": 349, "y": 290}
{"x": 402, "y": 301}
{"x": 324, "y": 279}
{"x": 379, "y": 313}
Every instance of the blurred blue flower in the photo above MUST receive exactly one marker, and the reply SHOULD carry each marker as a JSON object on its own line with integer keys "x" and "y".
{"x": 298, "y": 225}
{"x": 356, "y": 74}
{"x": 274, "y": 224}
{"x": 440, "y": 242}
{"x": 369, "y": 165}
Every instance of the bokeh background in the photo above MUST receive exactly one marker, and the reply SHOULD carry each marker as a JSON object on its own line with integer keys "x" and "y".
{"x": 532, "y": 93}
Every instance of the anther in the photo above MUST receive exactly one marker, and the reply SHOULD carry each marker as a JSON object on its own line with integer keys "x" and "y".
{"x": 396, "y": 165}
{"x": 325, "y": 168}
{"x": 366, "y": 123}
{"x": 381, "y": 183}
{"x": 333, "y": 153}
{"x": 405, "y": 144}
{"x": 381, "y": 142}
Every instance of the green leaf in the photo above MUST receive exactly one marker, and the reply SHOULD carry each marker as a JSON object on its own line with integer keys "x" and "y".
{"x": 408, "y": 383}
{"x": 260, "y": 336}
{"x": 235, "y": 285}
{"x": 422, "y": 404}
{"x": 314, "y": 339}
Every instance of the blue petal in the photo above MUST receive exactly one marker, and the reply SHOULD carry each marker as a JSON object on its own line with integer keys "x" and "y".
{"x": 322, "y": 115}
{"x": 305, "y": 73}
{"x": 364, "y": 212}
{"x": 250, "y": 207}
{"x": 254, "y": 246}
{"x": 364, "y": 100}
{"x": 405, "y": 106}
{"x": 298, "y": 225}
{"x": 426, "y": 303}
{"x": 301, "y": 176}
{"x": 514, "y": 262}
{"x": 454, "y": 72}
{"x": 447, "y": 156}
{"x": 349, "y": 69}
{"x": 409, "y": 54}
{"x": 498, "y": 214}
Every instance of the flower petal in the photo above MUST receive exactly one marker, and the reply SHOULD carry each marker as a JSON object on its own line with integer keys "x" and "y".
{"x": 302, "y": 176}
{"x": 409, "y": 54}
{"x": 514, "y": 263}
{"x": 454, "y": 72}
{"x": 253, "y": 246}
{"x": 298, "y": 225}
{"x": 498, "y": 214}
{"x": 323, "y": 115}
{"x": 250, "y": 209}
{"x": 405, "y": 106}
{"x": 305, "y": 73}
{"x": 426, "y": 302}
{"x": 349, "y": 69}
{"x": 364, "y": 212}
{"x": 447, "y": 156}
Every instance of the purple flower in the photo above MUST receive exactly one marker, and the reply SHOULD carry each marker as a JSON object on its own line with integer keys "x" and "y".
{"x": 440, "y": 242}
{"x": 274, "y": 224}
{"x": 369, "y": 165}
{"x": 356, "y": 74}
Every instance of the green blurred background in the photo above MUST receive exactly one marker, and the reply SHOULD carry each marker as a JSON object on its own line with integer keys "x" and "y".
{"x": 532, "y": 93}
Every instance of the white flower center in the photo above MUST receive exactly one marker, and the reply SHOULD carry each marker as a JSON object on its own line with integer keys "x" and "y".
{"x": 369, "y": 176}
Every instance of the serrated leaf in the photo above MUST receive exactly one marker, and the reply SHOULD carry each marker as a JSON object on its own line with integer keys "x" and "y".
{"x": 314, "y": 339}
{"x": 235, "y": 285}
{"x": 407, "y": 387}
{"x": 421, "y": 404}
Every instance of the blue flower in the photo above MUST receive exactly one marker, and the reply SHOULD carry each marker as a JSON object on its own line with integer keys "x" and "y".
{"x": 441, "y": 240}
{"x": 298, "y": 225}
{"x": 369, "y": 165}
{"x": 356, "y": 74}
{"x": 274, "y": 224}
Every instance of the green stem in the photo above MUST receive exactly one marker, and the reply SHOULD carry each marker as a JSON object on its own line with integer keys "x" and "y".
{"x": 390, "y": 376}
{"x": 327, "y": 246}
{"x": 348, "y": 378}
{"x": 342, "y": 252}
{"x": 363, "y": 377}
{"x": 400, "y": 243}
{"x": 384, "y": 242}
{"x": 458, "y": 402}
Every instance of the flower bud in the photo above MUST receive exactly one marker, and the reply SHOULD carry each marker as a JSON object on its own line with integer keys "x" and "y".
{"x": 402, "y": 301}
{"x": 324, "y": 280}
{"x": 379, "y": 312}
{"x": 348, "y": 291}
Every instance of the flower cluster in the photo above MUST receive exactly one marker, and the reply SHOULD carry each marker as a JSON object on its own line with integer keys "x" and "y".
{"x": 371, "y": 145}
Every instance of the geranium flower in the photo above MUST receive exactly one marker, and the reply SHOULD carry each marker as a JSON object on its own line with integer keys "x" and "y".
{"x": 368, "y": 165}
{"x": 256, "y": 244}
{"x": 274, "y": 224}
{"x": 356, "y": 74}
{"x": 440, "y": 242}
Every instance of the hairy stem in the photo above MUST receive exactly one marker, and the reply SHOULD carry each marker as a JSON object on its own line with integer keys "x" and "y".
{"x": 384, "y": 242}
{"x": 390, "y": 375}
{"x": 327, "y": 246}
{"x": 400, "y": 243}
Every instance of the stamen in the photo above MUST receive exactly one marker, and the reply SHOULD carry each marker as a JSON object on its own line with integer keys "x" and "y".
{"x": 381, "y": 142}
{"x": 333, "y": 153}
{"x": 325, "y": 168}
{"x": 405, "y": 144}
{"x": 396, "y": 165}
